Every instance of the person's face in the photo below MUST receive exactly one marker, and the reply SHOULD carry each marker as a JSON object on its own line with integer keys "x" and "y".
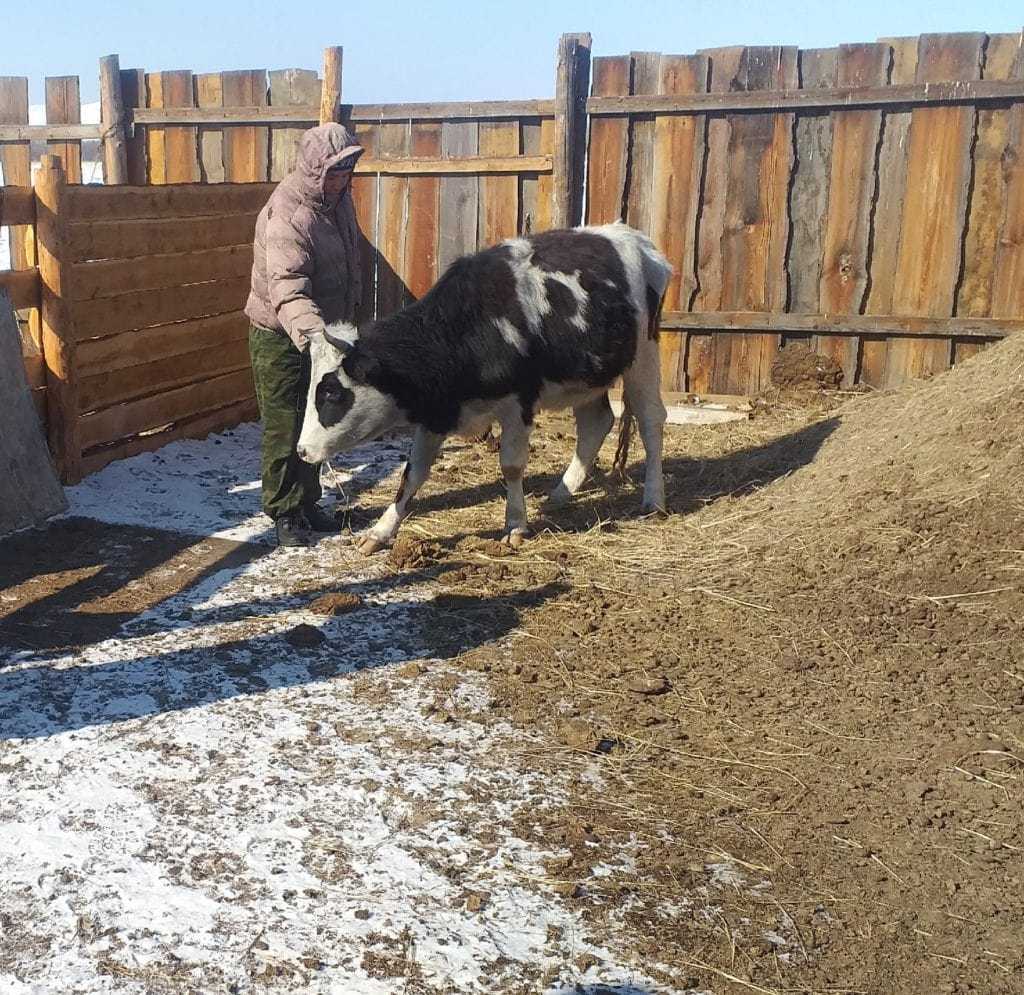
{"x": 336, "y": 181}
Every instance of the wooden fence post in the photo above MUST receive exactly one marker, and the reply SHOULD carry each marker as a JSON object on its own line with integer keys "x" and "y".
{"x": 58, "y": 332}
{"x": 115, "y": 150}
{"x": 330, "y": 92}
{"x": 572, "y": 83}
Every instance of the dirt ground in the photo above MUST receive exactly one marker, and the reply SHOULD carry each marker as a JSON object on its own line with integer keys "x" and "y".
{"x": 813, "y": 668}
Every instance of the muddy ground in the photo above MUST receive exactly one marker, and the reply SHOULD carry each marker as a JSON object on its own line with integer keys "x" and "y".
{"x": 813, "y": 669}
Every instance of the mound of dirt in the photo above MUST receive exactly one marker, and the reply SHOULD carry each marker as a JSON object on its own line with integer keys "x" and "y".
{"x": 413, "y": 554}
{"x": 797, "y": 368}
{"x": 338, "y": 603}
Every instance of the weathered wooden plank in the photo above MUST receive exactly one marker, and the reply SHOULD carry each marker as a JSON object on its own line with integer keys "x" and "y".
{"x": 929, "y": 94}
{"x": 289, "y": 88}
{"x": 175, "y": 202}
{"x": 246, "y": 150}
{"x": 756, "y": 228}
{"x": 891, "y": 185}
{"x": 309, "y": 114}
{"x": 58, "y": 133}
{"x": 196, "y": 427}
{"x": 701, "y": 350}
{"x": 17, "y": 206}
{"x": 424, "y": 203}
{"x": 16, "y": 162}
{"x": 146, "y": 308}
{"x": 364, "y": 190}
{"x": 988, "y": 190}
{"x": 133, "y": 94}
{"x": 115, "y": 423}
{"x": 459, "y": 196}
{"x": 639, "y": 195}
{"x": 846, "y": 324}
{"x": 609, "y": 145}
{"x": 572, "y": 80}
{"x": 150, "y": 345}
{"x": 21, "y": 286}
{"x": 111, "y": 277}
{"x": 112, "y": 119}
{"x": 210, "y": 93}
{"x": 29, "y": 490}
{"x": 330, "y": 91}
{"x": 855, "y": 137}
{"x": 172, "y": 151}
{"x": 810, "y": 191}
{"x": 111, "y": 387}
{"x": 1008, "y": 280}
{"x": 678, "y": 161}
{"x": 934, "y": 209}
{"x": 481, "y": 165}
{"x": 393, "y": 223}
{"x": 499, "y": 195}
{"x": 64, "y": 106}
{"x": 529, "y": 137}
{"x": 128, "y": 239}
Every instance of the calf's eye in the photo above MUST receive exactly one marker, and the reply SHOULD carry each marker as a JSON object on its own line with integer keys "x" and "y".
{"x": 333, "y": 400}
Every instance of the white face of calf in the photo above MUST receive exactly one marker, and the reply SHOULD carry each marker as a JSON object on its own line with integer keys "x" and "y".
{"x": 341, "y": 413}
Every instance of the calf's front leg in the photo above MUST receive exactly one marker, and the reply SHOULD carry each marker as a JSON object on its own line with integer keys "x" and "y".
{"x": 425, "y": 447}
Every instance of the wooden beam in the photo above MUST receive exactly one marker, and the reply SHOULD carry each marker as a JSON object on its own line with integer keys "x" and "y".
{"x": 827, "y": 99}
{"x": 842, "y": 324}
{"x": 330, "y": 90}
{"x": 22, "y": 286}
{"x": 445, "y": 165}
{"x": 115, "y": 152}
{"x": 64, "y": 428}
{"x": 17, "y": 206}
{"x": 50, "y": 132}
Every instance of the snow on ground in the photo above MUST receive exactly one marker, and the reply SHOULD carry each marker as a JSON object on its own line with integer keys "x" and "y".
{"x": 198, "y": 805}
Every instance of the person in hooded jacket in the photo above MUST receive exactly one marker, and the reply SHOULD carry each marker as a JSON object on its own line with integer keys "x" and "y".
{"x": 305, "y": 275}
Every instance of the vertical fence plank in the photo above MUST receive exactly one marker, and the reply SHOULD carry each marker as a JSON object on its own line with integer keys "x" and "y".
{"x": 364, "y": 199}
{"x": 246, "y": 150}
{"x": 64, "y": 106}
{"x": 855, "y": 136}
{"x": 210, "y": 93}
{"x": 330, "y": 94}
{"x": 1008, "y": 282}
{"x": 393, "y": 222}
{"x": 57, "y": 331}
{"x": 133, "y": 93}
{"x": 459, "y": 195}
{"x": 16, "y": 160}
{"x": 756, "y": 228}
{"x": 609, "y": 144}
{"x": 999, "y": 194}
{"x": 639, "y": 195}
{"x": 172, "y": 151}
{"x": 809, "y": 197}
{"x": 424, "y": 201}
{"x": 499, "y": 195}
{"x": 892, "y": 184}
{"x": 934, "y": 209}
{"x": 678, "y": 158}
{"x": 289, "y": 88}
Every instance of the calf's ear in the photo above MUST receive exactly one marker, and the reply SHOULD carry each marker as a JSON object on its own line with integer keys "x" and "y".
{"x": 342, "y": 345}
{"x": 359, "y": 367}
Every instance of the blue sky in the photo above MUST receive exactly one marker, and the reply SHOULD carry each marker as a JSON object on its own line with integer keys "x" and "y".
{"x": 440, "y": 50}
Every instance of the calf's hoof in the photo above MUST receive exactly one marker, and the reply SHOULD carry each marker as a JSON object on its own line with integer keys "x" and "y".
{"x": 368, "y": 545}
{"x": 654, "y": 510}
{"x": 559, "y": 497}
{"x": 516, "y": 537}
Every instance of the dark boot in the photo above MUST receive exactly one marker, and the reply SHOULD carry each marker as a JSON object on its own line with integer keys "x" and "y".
{"x": 320, "y": 521}
{"x": 293, "y": 530}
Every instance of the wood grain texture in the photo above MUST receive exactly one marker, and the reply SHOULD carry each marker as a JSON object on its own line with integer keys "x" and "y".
{"x": 393, "y": 223}
{"x": 640, "y": 191}
{"x": 364, "y": 199}
{"x": 609, "y": 145}
{"x": 210, "y": 93}
{"x": 172, "y": 151}
{"x": 133, "y": 93}
{"x": 1008, "y": 279}
{"x": 424, "y": 206}
{"x": 246, "y": 150}
{"x": 499, "y": 195}
{"x": 64, "y": 106}
{"x": 459, "y": 196}
{"x": 289, "y": 88}
{"x": 16, "y": 162}
{"x": 128, "y": 239}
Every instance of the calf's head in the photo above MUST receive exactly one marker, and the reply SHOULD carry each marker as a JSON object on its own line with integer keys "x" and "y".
{"x": 342, "y": 409}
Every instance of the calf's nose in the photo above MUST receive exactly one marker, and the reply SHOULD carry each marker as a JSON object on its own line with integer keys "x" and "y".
{"x": 302, "y": 452}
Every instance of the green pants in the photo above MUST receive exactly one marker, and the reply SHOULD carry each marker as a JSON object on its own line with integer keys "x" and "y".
{"x": 281, "y": 375}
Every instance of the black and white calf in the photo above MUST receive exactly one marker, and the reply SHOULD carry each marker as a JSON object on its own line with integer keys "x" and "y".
{"x": 548, "y": 321}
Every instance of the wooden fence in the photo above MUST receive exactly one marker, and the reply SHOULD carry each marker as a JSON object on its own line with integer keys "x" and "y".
{"x": 868, "y": 200}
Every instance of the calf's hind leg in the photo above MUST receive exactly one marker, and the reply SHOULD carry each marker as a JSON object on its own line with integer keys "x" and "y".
{"x": 641, "y": 385}
{"x": 594, "y": 421}
{"x": 425, "y": 447}
{"x": 515, "y": 447}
